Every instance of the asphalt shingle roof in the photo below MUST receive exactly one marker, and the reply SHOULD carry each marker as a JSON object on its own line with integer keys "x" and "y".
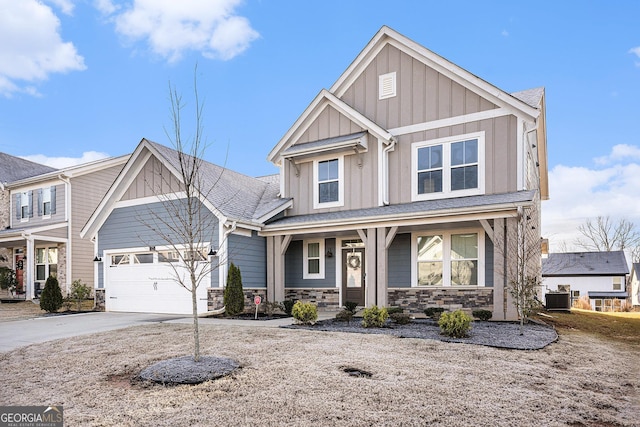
{"x": 237, "y": 196}
{"x": 403, "y": 209}
{"x": 14, "y": 168}
{"x": 530, "y": 97}
{"x": 585, "y": 264}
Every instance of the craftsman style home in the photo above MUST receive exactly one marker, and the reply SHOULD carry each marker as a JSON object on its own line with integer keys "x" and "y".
{"x": 409, "y": 177}
{"x": 404, "y": 184}
{"x": 44, "y": 210}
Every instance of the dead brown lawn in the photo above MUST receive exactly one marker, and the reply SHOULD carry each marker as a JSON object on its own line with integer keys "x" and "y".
{"x": 295, "y": 377}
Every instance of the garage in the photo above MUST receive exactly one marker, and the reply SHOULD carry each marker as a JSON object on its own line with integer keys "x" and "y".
{"x": 144, "y": 282}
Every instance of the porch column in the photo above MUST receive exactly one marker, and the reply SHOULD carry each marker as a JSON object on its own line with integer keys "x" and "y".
{"x": 511, "y": 312}
{"x": 371, "y": 267}
{"x": 275, "y": 287}
{"x": 29, "y": 266}
{"x": 499, "y": 271}
{"x": 382, "y": 278}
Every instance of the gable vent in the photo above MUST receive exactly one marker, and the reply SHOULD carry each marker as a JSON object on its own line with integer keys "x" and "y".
{"x": 387, "y": 85}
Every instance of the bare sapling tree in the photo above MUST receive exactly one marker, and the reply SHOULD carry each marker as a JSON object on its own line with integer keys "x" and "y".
{"x": 602, "y": 234}
{"x": 521, "y": 250}
{"x": 184, "y": 224}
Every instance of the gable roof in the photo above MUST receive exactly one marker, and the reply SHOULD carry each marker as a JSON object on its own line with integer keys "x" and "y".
{"x": 322, "y": 101}
{"x": 636, "y": 269}
{"x": 233, "y": 196}
{"x": 387, "y": 36}
{"x": 14, "y": 169}
{"x": 611, "y": 263}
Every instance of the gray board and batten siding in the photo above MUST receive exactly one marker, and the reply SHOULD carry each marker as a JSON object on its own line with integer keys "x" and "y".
{"x": 131, "y": 227}
{"x": 249, "y": 254}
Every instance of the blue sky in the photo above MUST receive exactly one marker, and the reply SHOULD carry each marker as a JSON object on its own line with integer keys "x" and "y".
{"x": 81, "y": 79}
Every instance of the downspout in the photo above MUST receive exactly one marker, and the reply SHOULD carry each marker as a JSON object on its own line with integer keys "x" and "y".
{"x": 67, "y": 214}
{"x": 385, "y": 169}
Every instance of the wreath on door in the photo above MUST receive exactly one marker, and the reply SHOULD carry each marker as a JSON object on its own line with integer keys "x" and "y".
{"x": 354, "y": 261}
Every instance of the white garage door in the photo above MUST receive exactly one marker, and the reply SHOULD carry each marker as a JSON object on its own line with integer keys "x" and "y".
{"x": 145, "y": 283}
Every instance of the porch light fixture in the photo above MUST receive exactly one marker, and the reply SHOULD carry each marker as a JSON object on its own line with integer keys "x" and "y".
{"x": 329, "y": 254}
{"x": 212, "y": 252}
{"x": 97, "y": 259}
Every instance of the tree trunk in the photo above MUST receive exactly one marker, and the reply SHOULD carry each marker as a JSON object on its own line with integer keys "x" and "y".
{"x": 196, "y": 331}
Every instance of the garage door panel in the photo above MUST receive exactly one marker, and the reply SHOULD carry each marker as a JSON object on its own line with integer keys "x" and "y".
{"x": 149, "y": 288}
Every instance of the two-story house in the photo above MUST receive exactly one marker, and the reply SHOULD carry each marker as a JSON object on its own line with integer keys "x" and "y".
{"x": 410, "y": 178}
{"x": 45, "y": 214}
{"x": 13, "y": 169}
{"x": 600, "y": 277}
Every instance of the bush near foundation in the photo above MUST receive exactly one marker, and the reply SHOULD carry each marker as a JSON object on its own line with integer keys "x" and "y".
{"x": 374, "y": 317}
{"x": 482, "y": 314}
{"x": 455, "y": 324}
{"x": 233, "y": 293}
{"x": 51, "y": 298}
{"x": 433, "y": 312}
{"x": 305, "y": 312}
{"x": 287, "y": 306}
{"x": 400, "y": 318}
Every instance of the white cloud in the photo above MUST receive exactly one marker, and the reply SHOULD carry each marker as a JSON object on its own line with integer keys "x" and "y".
{"x": 172, "y": 28}
{"x": 63, "y": 162}
{"x": 106, "y": 7}
{"x": 636, "y": 52}
{"x": 578, "y": 193}
{"x": 36, "y": 49}
{"x": 66, "y": 6}
{"x": 620, "y": 153}
{"x": 505, "y": 33}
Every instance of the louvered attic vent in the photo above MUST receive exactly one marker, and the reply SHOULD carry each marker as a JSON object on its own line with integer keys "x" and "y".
{"x": 387, "y": 85}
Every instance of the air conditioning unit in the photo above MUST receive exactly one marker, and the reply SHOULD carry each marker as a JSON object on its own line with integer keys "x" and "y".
{"x": 558, "y": 301}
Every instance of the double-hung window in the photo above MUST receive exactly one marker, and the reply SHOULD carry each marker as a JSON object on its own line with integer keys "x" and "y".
{"x": 448, "y": 258}
{"x": 25, "y": 205}
{"x": 313, "y": 255}
{"x": 328, "y": 183}
{"x": 448, "y": 167}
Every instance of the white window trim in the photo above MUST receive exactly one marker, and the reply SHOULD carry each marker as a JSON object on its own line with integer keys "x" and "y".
{"x": 316, "y": 192}
{"x": 446, "y": 167}
{"x": 24, "y": 201}
{"x": 446, "y": 257}
{"x": 616, "y": 280}
{"x": 48, "y": 192}
{"x": 305, "y": 259}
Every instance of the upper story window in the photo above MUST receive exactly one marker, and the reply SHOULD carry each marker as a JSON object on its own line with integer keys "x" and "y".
{"x": 328, "y": 183}
{"x": 617, "y": 283}
{"x": 47, "y": 201}
{"x": 24, "y": 206}
{"x": 448, "y": 167}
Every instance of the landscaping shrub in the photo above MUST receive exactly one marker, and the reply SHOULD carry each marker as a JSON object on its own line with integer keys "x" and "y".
{"x": 287, "y": 306}
{"x": 482, "y": 314}
{"x": 393, "y": 310}
{"x": 345, "y": 316}
{"x": 8, "y": 279}
{"x": 374, "y": 317}
{"x": 582, "y": 303}
{"x": 400, "y": 318}
{"x": 51, "y": 297}
{"x": 79, "y": 292}
{"x": 433, "y": 312}
{"x": 351, "y": 306}
{"x": 305, "y": 312}
{"x": 456, "y": 324}
{"x": 271, "y": 307}
{"x": 233, "y": 293}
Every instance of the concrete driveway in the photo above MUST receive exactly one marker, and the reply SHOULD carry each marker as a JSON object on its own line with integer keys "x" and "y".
{"x": 19, "y": 333}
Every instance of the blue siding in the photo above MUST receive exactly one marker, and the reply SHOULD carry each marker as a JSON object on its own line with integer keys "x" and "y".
{"x": 489, "y": 251}
{"x": 294, "y": 268}
{"x": 140, "y": 226}
{"x": 250, "y": 255}
{"x": 399, "y": 261}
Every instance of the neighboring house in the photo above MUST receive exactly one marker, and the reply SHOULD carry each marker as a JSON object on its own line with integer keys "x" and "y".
{"x": 130, "y": 232}
{"x": 600, "y": 276}
{"x": 13, "y": 169}
{"x": 634, "y": 285}
{"x": 411, "y": 180}
{"x": 46, "y": 209}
